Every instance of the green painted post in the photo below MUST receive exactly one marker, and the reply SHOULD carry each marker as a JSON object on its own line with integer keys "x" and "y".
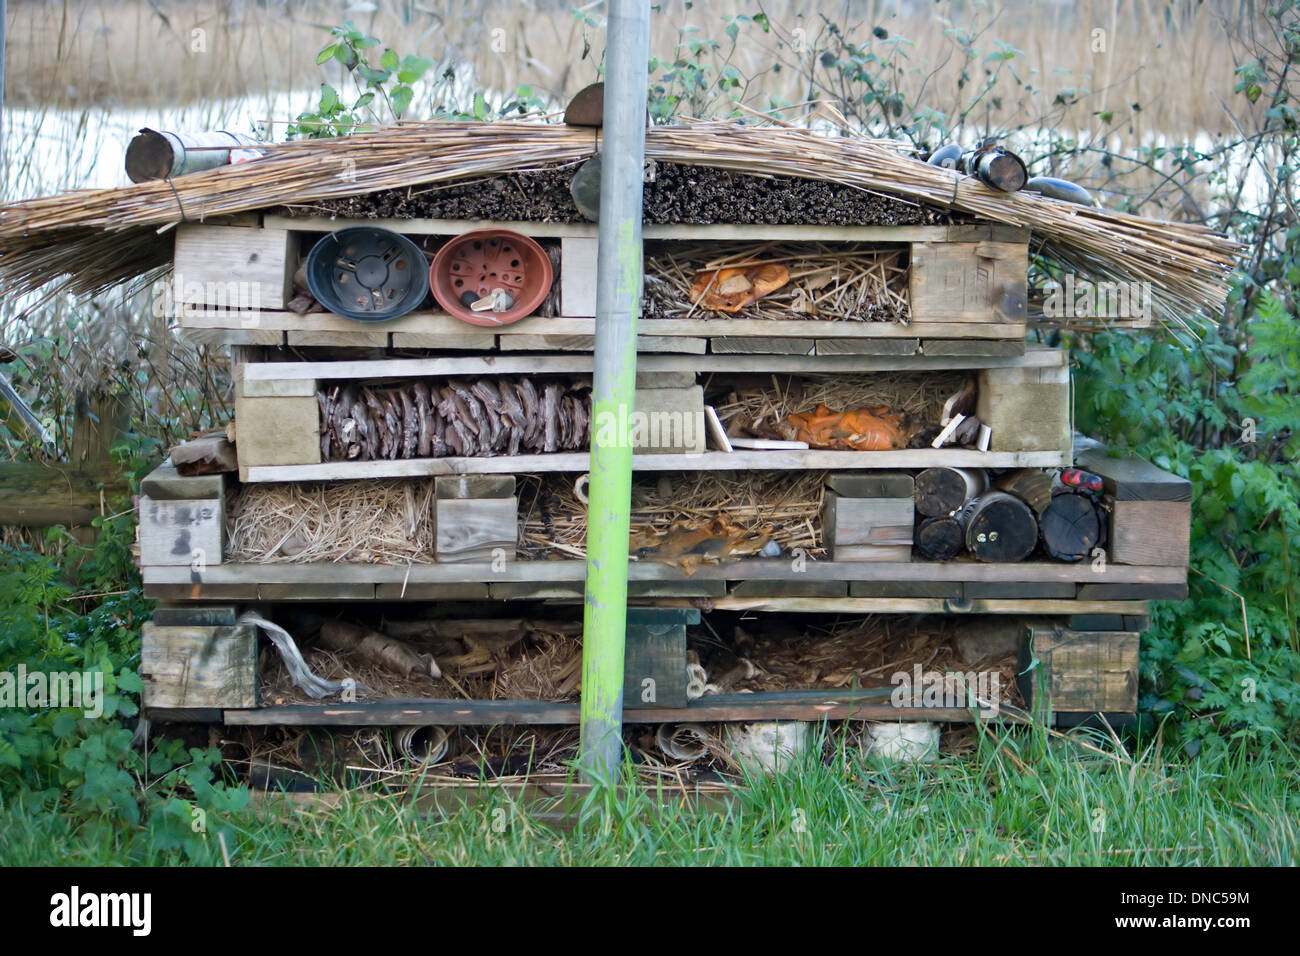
{"x": 618, "y": 304}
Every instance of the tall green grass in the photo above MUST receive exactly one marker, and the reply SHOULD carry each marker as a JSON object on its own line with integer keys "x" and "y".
{"x": 1019, "y": 799}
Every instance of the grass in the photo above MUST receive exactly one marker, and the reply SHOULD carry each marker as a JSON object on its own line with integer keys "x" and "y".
{"x": 1016, "y": 799}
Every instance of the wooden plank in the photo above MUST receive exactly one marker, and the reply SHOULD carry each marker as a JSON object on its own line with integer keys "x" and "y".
{"x": 1134, "y": 592}
{"x": 476, "y": 529}
{"x": 809, "y": 460}
{"x": 906, "y": 346}
{"x": 984, "y": 281}
{"x": 354, "y": 338}
{"x": 907, "y": 605}
{"x": 654, "y": 671}
{"x": 578, "y": 275}
{"x": 316, "y": 591}
{"x": 1087, "y": 671}
{"x": 474, "y": 486}
{"x": 944, "y": 590}
{"x": 688, "y": 588}
{"x": 1150, "y": 532}
{"x": 274, "y": 431}
{"x": 872, "y": 552}
{"x": 233, "y": 266}
{"x": 196, "y": 666}
{"x": 792, "y": 588}
{"x": 873, "y": 521}
{"x": 586, "y": 343}
{"x": 964, "y": 347}
{"x": 814, "y": 705}
{"x": 165, "y": 483}
{"x": 181, "y": 615}
{"x": 979, "y": 590}
{"x": 425, "y": 591}
{"x": 1132, "y": 479}
{"x": 535, "y": 591}
{"x": 666, "y": 421}
{"x": 570, "y": 570}
{"x": 765, "y": 346}
{"x": 1027, "y": 409}
{"x": 450, "y": 341}
{"x": 188, "y": 534}
{"x": 434, "y": 322}
{"x": 218, "y": 337}
{"x": 875, "y": 484}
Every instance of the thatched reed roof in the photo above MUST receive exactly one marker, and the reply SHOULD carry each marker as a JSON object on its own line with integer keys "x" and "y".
{"x": 89, "y": 240}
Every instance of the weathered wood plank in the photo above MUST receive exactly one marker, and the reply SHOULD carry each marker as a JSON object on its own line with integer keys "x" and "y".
{"x": 1132, "y": 479}
{"x": 476, "y": 529}
{"x": 866, "y": 346}
{"x": 809, "y": 460}
{"x": 1027, "y": 408}
{"x": 764, "y": 346}
{"x": 233, "y": 266}
{"x": 578, "y": 275}
{"x": 188, "y": 534}
{"x": 971, "y": 347}
{"x": 984, "y": 281}
{"x": 1086, "y": 671}
{"x": 198, "y": 666}
{"x": 777, "y": 569}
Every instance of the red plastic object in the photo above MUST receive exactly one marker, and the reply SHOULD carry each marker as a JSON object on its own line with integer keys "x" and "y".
{"x": 1083, "y": 480}
{"x": 473, "y": 265}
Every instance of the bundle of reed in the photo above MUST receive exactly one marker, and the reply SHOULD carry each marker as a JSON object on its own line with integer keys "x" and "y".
{"x": 1188, "y": 265}
{"x": 844, "y": 282}
{"x": 367, "y": 522}
{"x": 553, "y": 512}
{"x": 750, "y": 409}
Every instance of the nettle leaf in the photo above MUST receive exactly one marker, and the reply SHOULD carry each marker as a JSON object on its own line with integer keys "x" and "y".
{"x": 389, "y": 60}
{"x": 401, "y": 98}
{"x": 328, "y": 53}
{"x": 329, "y": 98}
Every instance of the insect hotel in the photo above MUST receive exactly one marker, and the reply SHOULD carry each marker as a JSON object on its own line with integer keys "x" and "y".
{"x": 857, "y": 492}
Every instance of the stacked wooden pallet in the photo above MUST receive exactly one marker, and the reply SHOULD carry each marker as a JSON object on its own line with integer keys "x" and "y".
{"x": 966, "y": 294}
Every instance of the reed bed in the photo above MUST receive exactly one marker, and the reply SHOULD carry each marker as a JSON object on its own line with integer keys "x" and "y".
{"x": 363, "y": 522}
{"x": 837, "y": 283}
{"x": 553, "y": 514}
{"x": 1188, "y": 265}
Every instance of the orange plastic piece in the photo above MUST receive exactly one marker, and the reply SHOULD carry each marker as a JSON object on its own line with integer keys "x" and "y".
{"x": 730, "y": 290}
{"x": 858, "y": 429}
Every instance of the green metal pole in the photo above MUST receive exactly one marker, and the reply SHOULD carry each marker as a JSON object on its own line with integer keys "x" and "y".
{"x": 618, "y": 304}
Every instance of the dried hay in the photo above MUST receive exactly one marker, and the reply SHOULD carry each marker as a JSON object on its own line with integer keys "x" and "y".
{"x": 753, "y": 408}
{"x": 361, "y": 522}
{"x": 862, "y": 652}
{"x": 553, "y": 517}
{"x": 527, "y": 660}
{"x": 844, "y": 282}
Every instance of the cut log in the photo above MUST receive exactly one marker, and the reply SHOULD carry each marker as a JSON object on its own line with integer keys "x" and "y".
{"x": 941, "y": 491}
{"x": 1030, "y": 485}
{"x": 1071, "y": 526}
{"x": 939, "y": 539}
{"x": 999, "y": 527}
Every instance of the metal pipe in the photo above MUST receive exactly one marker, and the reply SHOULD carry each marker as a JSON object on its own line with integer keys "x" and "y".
{"x": 160, "y": 154}
{"x": 618, "y": 303}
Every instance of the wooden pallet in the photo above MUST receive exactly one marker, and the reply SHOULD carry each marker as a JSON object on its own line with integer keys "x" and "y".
{"x": 968, "y": 288}
{"x": 1025, "y": 401}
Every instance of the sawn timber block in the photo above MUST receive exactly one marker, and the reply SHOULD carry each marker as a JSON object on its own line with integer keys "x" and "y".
{"x": 199, "y": 666}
